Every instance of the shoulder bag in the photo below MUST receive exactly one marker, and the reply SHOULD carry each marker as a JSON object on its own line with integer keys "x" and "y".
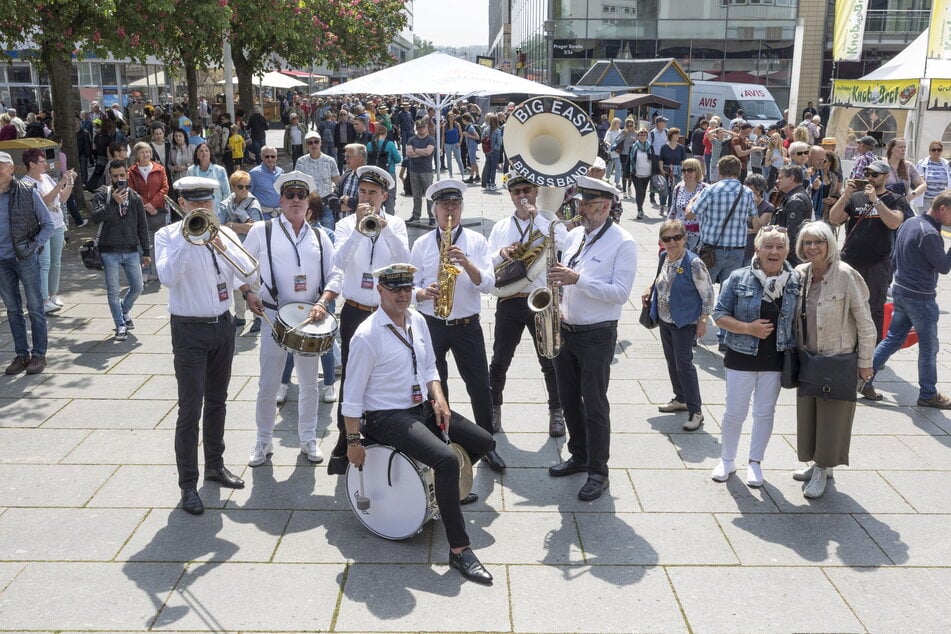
{"x": 89, "y": 252}
{"x": 649, "y": 317}
{"x": 707, "y": 252}
{"x": 826, "y": 376}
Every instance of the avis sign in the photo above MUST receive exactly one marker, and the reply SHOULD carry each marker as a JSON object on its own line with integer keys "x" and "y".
{"x": 898, "y": 93}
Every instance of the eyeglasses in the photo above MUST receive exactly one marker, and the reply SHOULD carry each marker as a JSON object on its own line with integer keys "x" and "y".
{"x": 267, "y": 156}
{"x": 776, "y": 228}
{"x": 674, "y": 238}
{"x": 688, "y": 170}
{"x": 291, "y": 194}
{"x": 518, "y": 191}
{"x": 313, "y": 142}
{"x": 807, "y": 244}
{"x": 242, "y": 187}
{"x": 397, "y": 289}
{"x": 802, "y": 153}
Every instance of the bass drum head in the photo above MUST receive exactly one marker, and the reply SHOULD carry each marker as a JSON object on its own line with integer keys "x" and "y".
{"x": 400, "y": 507}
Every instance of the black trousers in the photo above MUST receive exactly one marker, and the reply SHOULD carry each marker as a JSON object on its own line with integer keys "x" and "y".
{"x": 678, "y": 351}
{"x": 414, "y": 432}
{"x": 878, "y": 277}
{"x": 202, "y": 356}
{"x": 468, "y": 349}
{"x": 297, "y": 151}
{"x": 583, "y": 369}
{"x": 350, "y": 318}
{"x": 512, "y": 316}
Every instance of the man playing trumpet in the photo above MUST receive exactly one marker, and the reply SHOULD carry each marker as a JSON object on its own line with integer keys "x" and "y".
{"x": 466, "y": 253}
{"x": 296, "y": 266}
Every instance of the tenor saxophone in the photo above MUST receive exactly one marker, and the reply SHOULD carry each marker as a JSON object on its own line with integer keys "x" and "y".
{"x": 446, "y": 276}
{"x": 545, "y": 303}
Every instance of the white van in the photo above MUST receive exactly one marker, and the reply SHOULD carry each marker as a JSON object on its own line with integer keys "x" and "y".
{"x": 708, "y": 98}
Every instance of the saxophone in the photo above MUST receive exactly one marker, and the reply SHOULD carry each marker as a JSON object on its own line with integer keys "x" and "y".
{"x": 446, "y": 276}
{"x": 544, "y": 302}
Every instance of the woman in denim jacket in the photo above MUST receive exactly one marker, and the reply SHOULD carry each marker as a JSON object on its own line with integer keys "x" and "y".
{"x": 756, "y": 307}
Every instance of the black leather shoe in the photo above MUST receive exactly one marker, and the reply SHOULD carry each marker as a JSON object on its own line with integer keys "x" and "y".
{"x": 567, "y": 468}
{"x": 224, "y": 477}
{"x": 191, "y": 503}
{"x": 494, "y": 460}
{"x": 469, "y": 565}
{"x": 337, "y": 465}
{"x": 469, "y": 499}
{"x": 592, "y": 489}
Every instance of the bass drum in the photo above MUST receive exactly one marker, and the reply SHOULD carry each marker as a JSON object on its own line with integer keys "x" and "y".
{"x": 401, "y": 491}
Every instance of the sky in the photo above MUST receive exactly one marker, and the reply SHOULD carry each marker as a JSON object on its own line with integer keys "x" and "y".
{"x": 452, "y": 22}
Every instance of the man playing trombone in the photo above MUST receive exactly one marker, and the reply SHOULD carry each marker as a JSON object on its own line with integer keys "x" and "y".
{"x": 200, "y": 271}
{"x": 296, "y": 266}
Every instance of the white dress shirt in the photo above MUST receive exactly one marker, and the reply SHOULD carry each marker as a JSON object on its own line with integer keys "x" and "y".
{"x": 285, "y": 248}
{"x": 191, "y": 277}
{"x": 509, "y": 230}
{"x": 353, "y": 251}
{"x": 606, "y": 267}
{"x": 468, "y": 298}
{"x": 380, "y": 366}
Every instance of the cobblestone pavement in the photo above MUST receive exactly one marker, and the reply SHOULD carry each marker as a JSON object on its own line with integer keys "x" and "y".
{"x": 91, "y": 539}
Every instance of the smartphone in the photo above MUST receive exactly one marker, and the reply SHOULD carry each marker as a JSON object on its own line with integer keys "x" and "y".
{"x": 860, "y": 184}
{"x": 122, "y": 185}
{"x": 860, "y": 385}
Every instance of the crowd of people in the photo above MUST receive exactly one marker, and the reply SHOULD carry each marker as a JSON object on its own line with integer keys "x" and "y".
{"x": 756, "y": 213}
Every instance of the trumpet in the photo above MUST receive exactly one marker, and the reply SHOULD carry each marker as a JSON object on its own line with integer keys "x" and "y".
{"x": 200, "y": 227}
{"x": 370, "y": 226}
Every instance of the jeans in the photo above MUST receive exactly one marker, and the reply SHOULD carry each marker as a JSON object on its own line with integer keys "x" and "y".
{"x": 452, "y": 150}
{"x": 14, "y": 272}
{"x": 420, "y": 182}
{"x": 922, "y": 313}
{"x": 762, "y": 388}
{"x": 614, "y": 167}
{"x": 491, "y": 167}
{"x": 51, "y": 263}
{"x": 728, "y": 260}
{"x": 129, "y": 263}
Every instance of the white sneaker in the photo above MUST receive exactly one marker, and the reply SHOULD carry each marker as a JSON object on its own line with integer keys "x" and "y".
{"x": 805, "y": 474}
{"x": 122, "y": 333}
{"x": 312, "y": 451}
{"x": 754, "y": 474}
{"x": 50, "y": 307}
{"x": 260, "y": 454}
{"x": 817, "y": 484}
{"x": 282, "y": 393}
{"x": 327, "y": 393}
{"x": 56, "y": 300}
{"x": 723, "y": 470}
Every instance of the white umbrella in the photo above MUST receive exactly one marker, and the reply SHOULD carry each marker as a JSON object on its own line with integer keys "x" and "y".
{"x": 272, "y": 79}
{"x": 438, "y": 80}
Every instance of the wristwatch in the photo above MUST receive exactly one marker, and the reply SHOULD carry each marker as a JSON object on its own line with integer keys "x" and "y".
{"x": 244, "y": 294}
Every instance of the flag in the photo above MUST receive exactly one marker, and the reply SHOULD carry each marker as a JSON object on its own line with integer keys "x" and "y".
{"x": 939, "y": 36}
{"x": 849, "y": 30}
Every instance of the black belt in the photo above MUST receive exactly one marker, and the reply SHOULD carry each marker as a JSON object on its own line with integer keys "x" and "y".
{"x": 587, "y": 327}
{"x": 462, "y": 321}
{"x": 183, "y": 319}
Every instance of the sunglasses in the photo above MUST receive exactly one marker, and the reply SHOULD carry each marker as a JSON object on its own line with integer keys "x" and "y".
{"x": 870, "y": 174}
{"x": 242, "y": 187}
{"x": 675, "y": 238}
{"x": 397, "y": 289}
{"x": 291, "y": 194}
{"x": 802, "y": 153}
{"x": 688, "y": 170}
{"x": 777, "y": 228}
{"x": 518, "y": 191}
{"x": 267, "y": 156}
{"x": 934, "y": 149}
{"x": 313, "y": 142}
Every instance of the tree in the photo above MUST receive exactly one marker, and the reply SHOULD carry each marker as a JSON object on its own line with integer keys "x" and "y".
{"x": 422, "y": 47}
{"x": 56, "y": 30}
{"x": 305, "y": 32}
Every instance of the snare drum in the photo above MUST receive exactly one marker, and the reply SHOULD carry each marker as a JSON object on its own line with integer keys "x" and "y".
{"x": 310, "y": 340}
{"x": 401, "y": 491}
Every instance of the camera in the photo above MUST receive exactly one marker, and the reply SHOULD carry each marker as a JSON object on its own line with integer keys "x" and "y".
{"x": 860, "y": 183}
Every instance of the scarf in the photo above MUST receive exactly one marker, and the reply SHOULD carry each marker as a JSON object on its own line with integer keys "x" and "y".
{"x": 773, "y": 285}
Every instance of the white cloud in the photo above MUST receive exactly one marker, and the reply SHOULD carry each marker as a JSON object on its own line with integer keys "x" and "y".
{"x": 452, "y": 22}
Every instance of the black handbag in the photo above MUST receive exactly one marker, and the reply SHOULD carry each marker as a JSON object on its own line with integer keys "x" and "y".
{"x": 790, "y": 375}
{"x": 649, "y": 318}
{"x": 89, "y": 252}
{"x": 828, "y": 376}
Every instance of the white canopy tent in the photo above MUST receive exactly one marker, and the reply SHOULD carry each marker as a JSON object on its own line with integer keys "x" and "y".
{"x": 438, "y": 80}
{"x": 272, "y": 79}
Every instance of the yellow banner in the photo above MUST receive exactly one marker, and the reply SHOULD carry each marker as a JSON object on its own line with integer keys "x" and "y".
{"x": 939, "y": 36}
{"x": 860, "y": 93}
{"x": 940, "y": 95}
{"x": 849, "y": 29}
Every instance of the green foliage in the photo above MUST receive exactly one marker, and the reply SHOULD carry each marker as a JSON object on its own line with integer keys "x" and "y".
{"x": 422, "y": 47}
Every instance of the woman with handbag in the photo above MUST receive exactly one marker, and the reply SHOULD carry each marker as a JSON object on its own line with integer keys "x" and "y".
{"x": 610, "y": 140}
{"x": 685, "y": 191}
{"x": 681, "y": 298}
{"x": 756, "y": 308}
{"x": 640, "y": 166}
{"x": 832, "y": 320}
{"x": 148, "y": 179}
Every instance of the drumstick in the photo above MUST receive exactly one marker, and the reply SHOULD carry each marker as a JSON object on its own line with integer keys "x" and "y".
{"x": 306, "y": 321}
{"x": 363, "y": 502}
{"x": 267, "y": 319}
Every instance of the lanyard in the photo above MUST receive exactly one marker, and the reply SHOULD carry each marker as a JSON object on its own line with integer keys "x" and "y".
{"x": 408, "y": 344}
{"x": 521, "y": 232}
{"x": 291, "y": 240}
{"x": 577, "y": 256}
{"x": 455, "y": 238}
{"x": 214, "y": 259}
{"x": 373, "y": 244}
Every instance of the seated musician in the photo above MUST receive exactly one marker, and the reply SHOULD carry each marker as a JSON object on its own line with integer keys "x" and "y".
{"x": 390, "y": 371}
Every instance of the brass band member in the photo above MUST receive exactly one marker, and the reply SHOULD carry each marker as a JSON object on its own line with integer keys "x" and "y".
{"x": 512, "y": 314}
{"x": 357, "y": 255}
{"x": 393, "y": 384}
{"x": 199, "y": 283}
{"x": 596, "y": 272}
{"x": 296, "y": 266}
{"x": 467, "y": 253}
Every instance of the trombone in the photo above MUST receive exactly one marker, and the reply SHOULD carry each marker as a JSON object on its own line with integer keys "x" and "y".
{"x": 200, "y": 227}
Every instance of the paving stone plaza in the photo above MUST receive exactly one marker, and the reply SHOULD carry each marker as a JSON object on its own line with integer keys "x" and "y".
{"x": 91, "y": 539}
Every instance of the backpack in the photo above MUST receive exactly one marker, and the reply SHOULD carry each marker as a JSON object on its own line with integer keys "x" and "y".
{"x": 377, "y": 155}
